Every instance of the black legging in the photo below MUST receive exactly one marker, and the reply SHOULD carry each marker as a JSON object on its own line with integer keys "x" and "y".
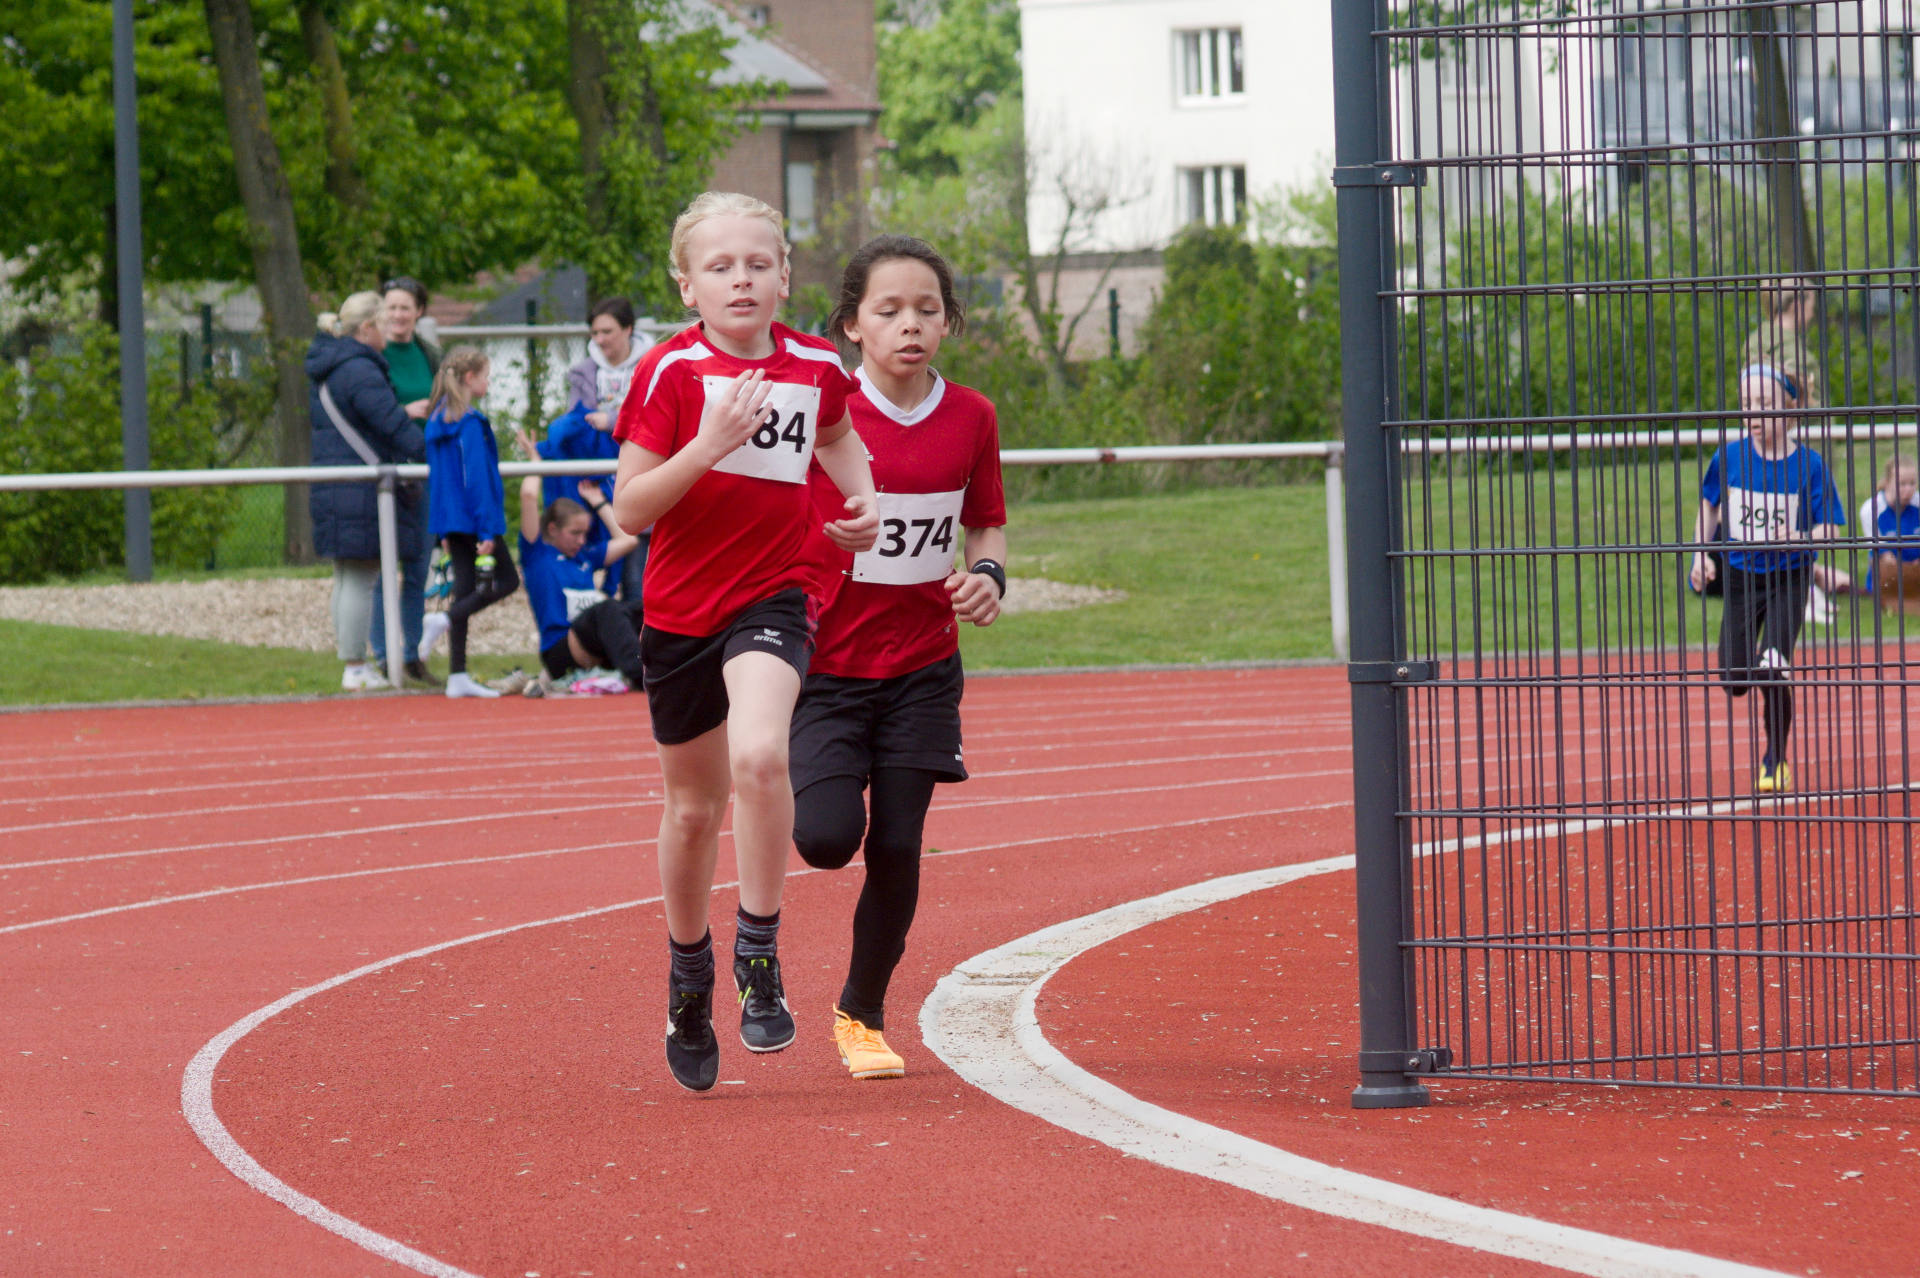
{"x": 468, "y": 599}
{"x": 610, "y": 632}
{"x": 828, "y": 818}
{"x": 1763, "y": 615}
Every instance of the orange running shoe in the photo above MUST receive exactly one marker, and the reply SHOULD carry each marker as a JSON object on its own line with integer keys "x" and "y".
{"x": 863, "y": 1051}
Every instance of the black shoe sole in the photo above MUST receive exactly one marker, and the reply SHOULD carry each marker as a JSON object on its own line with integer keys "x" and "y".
{"x": 771, "y": 1047}
{"x": 703, "y": 1071}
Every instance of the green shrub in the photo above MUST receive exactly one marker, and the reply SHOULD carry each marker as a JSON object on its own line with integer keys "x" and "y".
{"x": 60, "y": 412}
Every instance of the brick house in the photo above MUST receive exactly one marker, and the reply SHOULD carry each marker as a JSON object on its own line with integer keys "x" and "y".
{"x": 815, "y": 142}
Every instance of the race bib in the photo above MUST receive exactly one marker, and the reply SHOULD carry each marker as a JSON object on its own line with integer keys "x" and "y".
{"x": 918, "y": 534}
{"x": 783, "y": 445}
{"x": 578, "y": 601}
{"x": 1757, "y": 516}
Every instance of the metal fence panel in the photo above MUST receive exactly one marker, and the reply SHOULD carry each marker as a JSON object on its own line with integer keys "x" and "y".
{"x": 1594, "y": 217}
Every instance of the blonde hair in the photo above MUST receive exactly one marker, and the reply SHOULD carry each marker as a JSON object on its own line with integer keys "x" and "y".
{"x": 449, "y": 395}
{"x": 712, "y": 204}
{"x": 354, "y": 312}
{"x": 1891, "y": 475}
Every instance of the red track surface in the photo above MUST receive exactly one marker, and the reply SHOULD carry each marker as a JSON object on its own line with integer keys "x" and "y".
{"x": 502, "y": 1104}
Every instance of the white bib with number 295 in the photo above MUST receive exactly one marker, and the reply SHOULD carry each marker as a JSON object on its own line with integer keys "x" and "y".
{"x": 782, "y": 445}
{"x": 1761, "y": 516}
{"x": 918, "y": 534}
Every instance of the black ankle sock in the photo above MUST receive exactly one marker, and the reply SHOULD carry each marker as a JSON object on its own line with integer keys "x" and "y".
{"x": 754, "y": 936}
{"x": 693, "y": 964}
{"x": 874, "y": 1018}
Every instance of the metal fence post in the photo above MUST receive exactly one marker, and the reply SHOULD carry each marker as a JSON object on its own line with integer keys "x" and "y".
{"x": 1361, "y": 77}
{"x": 390, "y": 576}
{"x": 1337, "y": 550}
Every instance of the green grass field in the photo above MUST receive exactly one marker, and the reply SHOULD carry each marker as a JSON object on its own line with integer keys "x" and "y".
{"x": 1220, "y": 575}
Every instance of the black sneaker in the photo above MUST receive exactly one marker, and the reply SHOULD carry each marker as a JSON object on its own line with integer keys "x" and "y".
{"x": 765, "y": 1023}
{"x": 693, "y": 1053}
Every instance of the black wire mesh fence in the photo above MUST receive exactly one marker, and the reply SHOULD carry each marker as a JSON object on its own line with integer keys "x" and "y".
{"x": 1647, "y": 297}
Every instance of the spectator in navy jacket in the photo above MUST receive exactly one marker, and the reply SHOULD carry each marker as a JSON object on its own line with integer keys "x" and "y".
{"x": 467, "y": 510}
{"x": 346, "y": 361}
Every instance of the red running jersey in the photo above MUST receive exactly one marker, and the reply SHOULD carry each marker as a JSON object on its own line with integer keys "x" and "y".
{"x": 937, "y": 469}
{"x": 740, "y": 533}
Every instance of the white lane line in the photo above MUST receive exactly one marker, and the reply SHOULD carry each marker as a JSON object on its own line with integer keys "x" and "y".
{"x": 210, "y": 893}
{"x": 477, "y": 818}
{"x": 273, "y": 884}
{"x": 196, "y": 1086}
{"x": 450, "y": 794}
{"x": 196, "y": 1102}
{"x": 980, "y": 1020}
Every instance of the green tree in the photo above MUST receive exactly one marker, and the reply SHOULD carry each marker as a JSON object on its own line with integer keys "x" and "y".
{"x": 56, "y": 169}
{"x": 940, "y": 76}
{"x": 314, "y": 146}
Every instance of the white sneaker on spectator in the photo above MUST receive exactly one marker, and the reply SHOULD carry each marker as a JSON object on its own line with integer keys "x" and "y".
{"x": 463, "y": 685}
{"x": 361, "y": 677}
{"x": 1820, "y": 610}
{"x": 430, "y": 631}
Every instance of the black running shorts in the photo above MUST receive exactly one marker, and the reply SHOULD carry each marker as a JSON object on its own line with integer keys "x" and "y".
{"x": 686, "y": 691}
{"x": 848, "y": 727}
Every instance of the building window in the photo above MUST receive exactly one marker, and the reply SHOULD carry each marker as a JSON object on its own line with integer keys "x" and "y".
{"x": 756, "y": 15}
{"x": 1215, "y": 195}
{"x": 1212, "y": 63}
{"x": 802, "y": 218}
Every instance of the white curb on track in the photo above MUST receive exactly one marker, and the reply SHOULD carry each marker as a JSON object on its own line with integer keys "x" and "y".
{"x": 980, "y": 1020}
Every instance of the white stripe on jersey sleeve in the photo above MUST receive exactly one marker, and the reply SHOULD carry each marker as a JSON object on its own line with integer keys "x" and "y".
{"x": 696, "y": 351}
{"x": 797, "y": 347}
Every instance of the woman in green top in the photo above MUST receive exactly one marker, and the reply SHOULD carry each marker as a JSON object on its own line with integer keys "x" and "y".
{"x": 412, "y": 362}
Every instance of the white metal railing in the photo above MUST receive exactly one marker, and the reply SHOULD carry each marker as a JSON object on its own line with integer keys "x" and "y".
{"x": 1330, "y": 452}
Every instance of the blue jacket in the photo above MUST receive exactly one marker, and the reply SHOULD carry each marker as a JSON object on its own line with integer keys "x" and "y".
{"x": 346, "y": 522}
{"x": 571, "y": 438}
{"x": 463, "y": 477}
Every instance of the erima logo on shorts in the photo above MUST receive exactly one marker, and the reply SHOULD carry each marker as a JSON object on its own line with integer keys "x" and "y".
{"x": 769, "y": 636}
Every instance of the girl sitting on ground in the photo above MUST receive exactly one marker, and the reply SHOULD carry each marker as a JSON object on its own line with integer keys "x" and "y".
{"x": 580, "y": 627}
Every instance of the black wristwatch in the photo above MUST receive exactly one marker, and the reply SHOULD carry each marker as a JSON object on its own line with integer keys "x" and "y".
{"x": 596, "y": 509}
{"x": 988, "y": 568}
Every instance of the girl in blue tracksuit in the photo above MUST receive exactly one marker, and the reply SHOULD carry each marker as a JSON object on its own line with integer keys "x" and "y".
{"x": 1773, "y": 496}
{"x": 466, "y": 507}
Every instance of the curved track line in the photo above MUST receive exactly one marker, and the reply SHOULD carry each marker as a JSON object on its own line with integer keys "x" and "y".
{"x": 196, "y": 1085}
{"x": 980, "y": 1020}
{"x": 196, "y": 1102}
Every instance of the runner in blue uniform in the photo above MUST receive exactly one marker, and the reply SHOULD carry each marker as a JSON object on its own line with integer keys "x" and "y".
{"x": 1773, "y": 495}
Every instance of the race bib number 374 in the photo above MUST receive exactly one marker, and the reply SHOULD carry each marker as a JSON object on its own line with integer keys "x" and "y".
{"x": 918, "y": 535}
{"x": 782, "y": 445}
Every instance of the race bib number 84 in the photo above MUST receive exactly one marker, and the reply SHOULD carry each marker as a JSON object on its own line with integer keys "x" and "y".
{"x": 783, "y": 444}
{"x": 1758, "y": 516}
{"x": 918, "y": 535}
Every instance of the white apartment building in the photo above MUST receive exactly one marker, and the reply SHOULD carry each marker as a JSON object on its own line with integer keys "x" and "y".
{"x": 1145, "y": 115}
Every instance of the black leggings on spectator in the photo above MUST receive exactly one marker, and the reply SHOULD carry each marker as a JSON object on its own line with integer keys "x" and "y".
{"x": 468, "y": 598}
{"x": 828, "y": 820}
{"x": 609, "y": 631}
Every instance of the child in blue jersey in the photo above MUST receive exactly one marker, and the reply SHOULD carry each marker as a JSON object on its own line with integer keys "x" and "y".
{"x": 1773, "y": 495}
{"x": 580, "y": 627}
{"x": 1892, "y": 520}
{"x": 466, "y": 510}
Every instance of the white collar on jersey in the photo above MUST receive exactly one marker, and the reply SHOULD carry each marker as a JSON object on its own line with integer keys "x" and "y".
{"x": 913, "y": 417}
